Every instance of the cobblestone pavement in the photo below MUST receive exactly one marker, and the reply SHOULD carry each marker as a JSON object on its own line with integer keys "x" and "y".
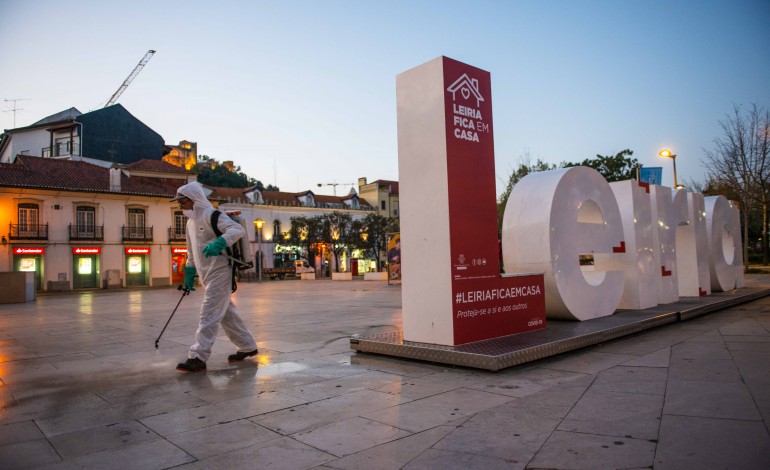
{"x": 83, "y": 387}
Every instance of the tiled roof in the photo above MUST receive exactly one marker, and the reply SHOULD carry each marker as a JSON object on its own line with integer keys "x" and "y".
{"x": 278, "y": 197}
{"x": 67, "y": 175}
{"x": 66, "y": 115}
{"x": 154, "y": 165}
{"x": 227, "y": 194}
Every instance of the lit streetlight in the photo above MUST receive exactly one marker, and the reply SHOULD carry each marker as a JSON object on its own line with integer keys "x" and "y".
{"x": 666, "y": 153}
{"x": 258, "y": 225}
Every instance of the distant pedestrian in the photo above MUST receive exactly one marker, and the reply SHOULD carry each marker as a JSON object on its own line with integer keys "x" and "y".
{"x": 204, "y": 248}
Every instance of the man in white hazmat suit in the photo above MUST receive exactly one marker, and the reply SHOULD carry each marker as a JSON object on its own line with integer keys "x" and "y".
{"x": 203, "y": 260}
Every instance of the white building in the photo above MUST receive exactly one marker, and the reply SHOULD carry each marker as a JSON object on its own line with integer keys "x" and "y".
{"x": 276, "y": 209}
{"x": 82, "y": 226}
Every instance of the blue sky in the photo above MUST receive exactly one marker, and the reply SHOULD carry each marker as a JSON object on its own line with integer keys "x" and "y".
{"x": 303, "y": 92}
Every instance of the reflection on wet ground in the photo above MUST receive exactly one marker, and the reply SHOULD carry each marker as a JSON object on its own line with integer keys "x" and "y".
{"x": 82, "y": 384}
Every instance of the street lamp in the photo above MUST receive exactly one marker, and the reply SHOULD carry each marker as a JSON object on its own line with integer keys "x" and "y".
{"x": 666, "y": 153}
{"x": 258, "y": 224}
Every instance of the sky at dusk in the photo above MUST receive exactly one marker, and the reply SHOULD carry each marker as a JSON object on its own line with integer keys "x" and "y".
{"x": 303, "y": 92}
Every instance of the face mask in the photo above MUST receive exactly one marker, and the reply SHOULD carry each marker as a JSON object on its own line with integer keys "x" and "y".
{"x": 187, "y": 213}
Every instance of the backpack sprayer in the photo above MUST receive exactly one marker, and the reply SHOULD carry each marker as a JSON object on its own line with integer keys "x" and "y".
{"x": 184, "y": 292}
{"x": 236, "y": 254}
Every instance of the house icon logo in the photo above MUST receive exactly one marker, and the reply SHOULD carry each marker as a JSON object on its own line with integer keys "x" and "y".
{"x": 466, "y": 86}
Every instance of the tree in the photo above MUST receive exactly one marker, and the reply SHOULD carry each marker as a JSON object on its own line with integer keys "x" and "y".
{"x": 336, "y": 231}
{"x": 306, "y": 233}
{"x": 619, "y": 167}
{"x": 739, "y": 162}
{"x": 523, "y": 170}
{"x": 224, "y": 178}
{"x": 374, "y": 229}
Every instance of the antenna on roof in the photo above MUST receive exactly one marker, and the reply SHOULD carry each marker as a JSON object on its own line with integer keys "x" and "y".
{"x": 15, "y": 108}
{"x": 112, "y": 153}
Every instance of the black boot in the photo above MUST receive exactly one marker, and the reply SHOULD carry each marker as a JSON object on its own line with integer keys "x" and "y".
{"x": 239, "y": 356}
{"x": 191, "y": 365}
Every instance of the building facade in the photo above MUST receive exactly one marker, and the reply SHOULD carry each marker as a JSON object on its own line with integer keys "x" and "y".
{"x": 83, "y": 226}
{"x": 103, "y": 137}
{"x": 382, "y": 194}
{"x": 184, "y": 155}
{"x": 277, "y": 208}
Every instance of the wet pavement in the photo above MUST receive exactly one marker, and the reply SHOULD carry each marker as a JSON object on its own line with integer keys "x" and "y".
{"x": 83, "y": 387}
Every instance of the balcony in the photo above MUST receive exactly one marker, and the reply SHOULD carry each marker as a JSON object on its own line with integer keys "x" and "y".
{"x": 137, "y": 234}
{"x": 62, "y": 150}
{"x": 86, "y": 233}
{"x": 28, "y": 232}
{"x": 177, "y": 235}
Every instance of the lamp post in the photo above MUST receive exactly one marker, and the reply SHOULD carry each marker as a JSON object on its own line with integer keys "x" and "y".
{"x": 258, "y": 225}
{"x": 666, "y": 153}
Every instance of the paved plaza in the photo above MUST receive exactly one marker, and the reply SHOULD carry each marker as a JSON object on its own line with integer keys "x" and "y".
{"x": 83, "y": 387}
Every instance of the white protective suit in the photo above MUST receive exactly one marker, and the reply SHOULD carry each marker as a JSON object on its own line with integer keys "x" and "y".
{"x": 215, "y": 275}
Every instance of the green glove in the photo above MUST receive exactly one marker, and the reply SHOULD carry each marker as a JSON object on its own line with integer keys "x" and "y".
{"x": 215, "y": 248}
{"x": 189, "y": 277}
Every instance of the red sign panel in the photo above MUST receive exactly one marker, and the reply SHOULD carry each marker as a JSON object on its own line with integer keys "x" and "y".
{"x": 86, "y": 250}
{"x": 485, "y": 305}
{"x": 497, "y": 306}
{"x": 179, "y": 251}
{"x": 137, "y": 251}
{"x": 470, "y": 171}
{"x": 29, "y": 250}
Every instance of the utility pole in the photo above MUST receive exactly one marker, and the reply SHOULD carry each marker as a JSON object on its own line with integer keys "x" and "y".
{"x": 15, "y": 108}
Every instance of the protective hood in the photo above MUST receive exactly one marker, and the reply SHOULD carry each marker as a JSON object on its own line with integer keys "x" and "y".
{"x": 194, "y": 192}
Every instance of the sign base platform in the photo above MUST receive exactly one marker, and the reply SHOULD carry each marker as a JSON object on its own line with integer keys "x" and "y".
{"x": 559, "y": 337}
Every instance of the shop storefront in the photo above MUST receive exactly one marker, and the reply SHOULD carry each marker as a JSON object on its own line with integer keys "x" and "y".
{"x": 85, "y": 267}
{"x": 359, "y": 265}
{"x": 285, "y": 256}
{"x": 137, "y": 266}
{"x": 178, "y": 260}
{"x": 30, "y": 259}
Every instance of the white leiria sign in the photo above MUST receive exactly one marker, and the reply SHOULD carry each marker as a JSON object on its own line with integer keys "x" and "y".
{"x": 623, "y": 245}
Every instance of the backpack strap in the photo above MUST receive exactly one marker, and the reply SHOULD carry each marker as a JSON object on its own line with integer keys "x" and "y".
{"x": 214, "y": 220}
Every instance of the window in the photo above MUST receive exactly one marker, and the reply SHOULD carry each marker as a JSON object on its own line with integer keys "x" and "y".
{"x": 136, "y": 223}
{"x": 86, "y": 221}
{"x": 28, "y": 219}
{"x": 382, "y": 205}
{"x": 180, "y": 223}
{"x": 276, "y": 229}
{"x": 63, "y": 147}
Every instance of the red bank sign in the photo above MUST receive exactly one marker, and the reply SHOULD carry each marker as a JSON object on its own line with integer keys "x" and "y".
{"x": 86, "y": 250}
{"x": 485, "y": 305}
{"x": 29, "y": 251}
{"x": 137, "y": 251}
{"x": 179, "y": 251}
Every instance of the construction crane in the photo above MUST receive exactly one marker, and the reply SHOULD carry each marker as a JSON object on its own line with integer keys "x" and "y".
{"x": 130, "y": 78}
{"x": 334, "y": 185}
